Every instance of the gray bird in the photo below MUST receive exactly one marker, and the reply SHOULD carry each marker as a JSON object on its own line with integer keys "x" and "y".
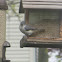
{"x": 29, "y": 30}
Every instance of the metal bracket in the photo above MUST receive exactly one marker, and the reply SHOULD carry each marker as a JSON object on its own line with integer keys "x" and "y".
{"x": 6, "y": 44}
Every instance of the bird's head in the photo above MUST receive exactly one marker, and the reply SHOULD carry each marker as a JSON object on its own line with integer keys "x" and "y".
{"x": 22, "y": 23}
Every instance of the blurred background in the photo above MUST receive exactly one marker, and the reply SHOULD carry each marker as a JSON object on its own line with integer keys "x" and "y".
{"x": 13, "y": 35}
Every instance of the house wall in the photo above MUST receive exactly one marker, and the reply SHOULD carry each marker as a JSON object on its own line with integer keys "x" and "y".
{"x": 13, "y": 36}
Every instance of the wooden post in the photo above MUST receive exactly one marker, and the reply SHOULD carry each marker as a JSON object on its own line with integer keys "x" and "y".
{"x": 2, "y": 30}
{"x": 3, "y": 8}
{"x": 26, "y": 16}
{"x": 43, "y": 55}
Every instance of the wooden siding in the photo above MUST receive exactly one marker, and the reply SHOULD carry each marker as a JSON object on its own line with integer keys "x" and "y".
{"x": 13, "y": 36}
{"x": 42, "y": 4}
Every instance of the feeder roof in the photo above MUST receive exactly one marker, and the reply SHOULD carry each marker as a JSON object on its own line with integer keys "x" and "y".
{"x": 41, "y": 4}
{"x": 3, "y": 5}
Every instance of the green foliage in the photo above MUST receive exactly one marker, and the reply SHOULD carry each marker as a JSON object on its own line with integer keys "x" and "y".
{"x": 12, "y": 4}
{"x": 58, "y": 56}
{"x": 59, "y": 60}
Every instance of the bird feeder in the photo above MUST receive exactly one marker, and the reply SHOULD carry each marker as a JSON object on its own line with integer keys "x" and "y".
{"x": 45, "y": 14}
{"x": 3, "y": 8}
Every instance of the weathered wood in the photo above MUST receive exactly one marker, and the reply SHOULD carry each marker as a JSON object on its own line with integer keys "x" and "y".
{"x": 61, "y": 28}
{"x": 2, "y": 29}
{"x": 43, "y": 6}
{"x": 44, "y": 40}
{"x": 41, "y": 3}
{"x": 55, "y": 39}
{"x": 42, "y": 55}
{"x": 61, "y": 34}
{"x": 27, "y": 16}
{"x": 3, "y": 5}
{"x": 45, "y": 0}
{"x": 42, "y": 44}
{"x": 60, "y": 19}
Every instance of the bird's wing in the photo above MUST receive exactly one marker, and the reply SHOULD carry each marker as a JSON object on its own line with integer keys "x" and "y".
{"x": 28, "y": 27}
